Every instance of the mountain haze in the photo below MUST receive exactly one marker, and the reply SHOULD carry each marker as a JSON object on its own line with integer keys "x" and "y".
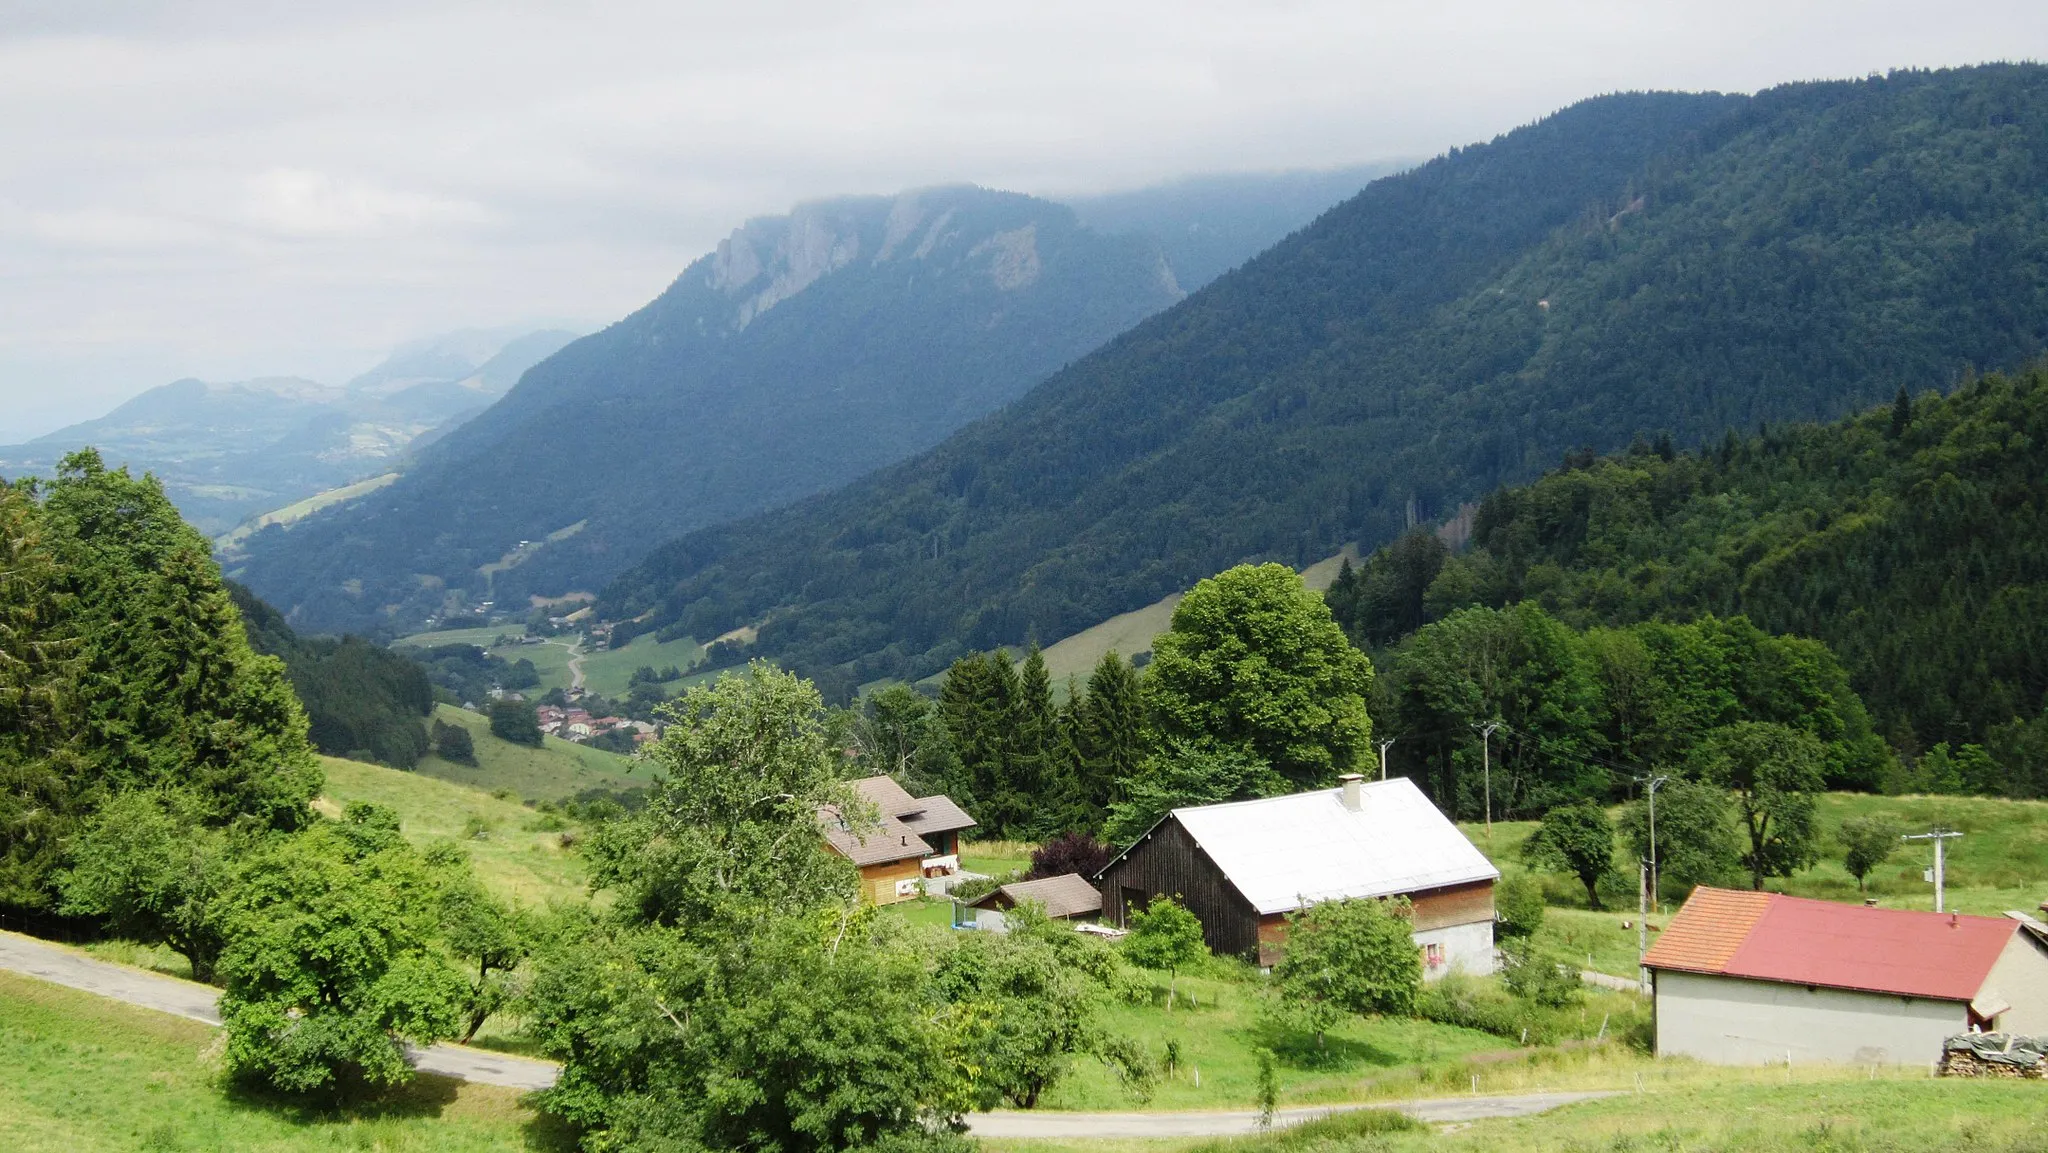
{"x": 1634, "y": 263}
{"x": 807, "y": 350}
{"x": 228, "y": 451}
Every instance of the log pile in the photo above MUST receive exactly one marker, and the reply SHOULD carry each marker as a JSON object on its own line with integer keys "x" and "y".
{"x": 1995, "y": 1055}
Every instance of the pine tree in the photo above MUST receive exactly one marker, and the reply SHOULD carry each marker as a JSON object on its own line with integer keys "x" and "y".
{"x": 1110, "y": 731}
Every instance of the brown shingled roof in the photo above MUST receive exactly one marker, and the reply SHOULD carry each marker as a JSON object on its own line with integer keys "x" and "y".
{"x": 891, "y": 841}
{"x": 1709, "y": 928}
{"x": 1067, "y": 895}
{"x": 934, "y": 814}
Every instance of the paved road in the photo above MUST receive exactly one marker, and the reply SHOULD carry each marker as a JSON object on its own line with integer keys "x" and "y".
{"x": 62, "y": 966}
{"x": 1084, "y": 1125}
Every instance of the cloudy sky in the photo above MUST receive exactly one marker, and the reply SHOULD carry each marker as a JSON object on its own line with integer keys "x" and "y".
{"x": 232, "y": 188}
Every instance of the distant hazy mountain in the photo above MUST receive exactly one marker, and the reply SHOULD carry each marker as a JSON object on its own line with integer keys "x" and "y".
{"x": 807, "y": 350}
{"x": 1208, "y": 225}
{"x": 228, "y": 451}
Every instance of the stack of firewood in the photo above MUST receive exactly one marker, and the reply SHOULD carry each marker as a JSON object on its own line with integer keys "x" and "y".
{"x": 1995, "y": 1055}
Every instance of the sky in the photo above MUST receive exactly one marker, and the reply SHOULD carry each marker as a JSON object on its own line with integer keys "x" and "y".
{"x": 231, "y": 189}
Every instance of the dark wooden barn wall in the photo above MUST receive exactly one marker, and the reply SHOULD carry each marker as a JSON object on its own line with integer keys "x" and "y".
{"x": 1169, "y": 863}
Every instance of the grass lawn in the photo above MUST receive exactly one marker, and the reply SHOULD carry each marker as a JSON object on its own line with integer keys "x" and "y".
{"x": 1215, "y": 1023}
{"x": 995, "y": 858}
{"x": 555, "y": 770}
{"x": 85, "y": 1073}
{"x": 517, "y": 851}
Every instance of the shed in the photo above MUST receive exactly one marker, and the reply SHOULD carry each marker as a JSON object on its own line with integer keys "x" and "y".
{"x": 1067, "y": 897}
{"x": 1242, "y": 867}
{"x": 1749, "y": 978}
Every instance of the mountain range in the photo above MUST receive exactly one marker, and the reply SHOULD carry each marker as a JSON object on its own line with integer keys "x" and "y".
{"x": 1636, "y": 264}
{"x": 227, "y": 451}
{"x": 807, "y": 350}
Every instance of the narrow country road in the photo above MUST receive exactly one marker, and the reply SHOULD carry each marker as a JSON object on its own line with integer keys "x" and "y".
{"x": 63, "y": 966}
{"x": 575, "y": 648}
{"x": 1087, "y": 1125}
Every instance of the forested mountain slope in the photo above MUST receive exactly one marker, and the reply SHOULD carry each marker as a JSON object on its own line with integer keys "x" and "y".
{"x": 1634, "y": 263}
{"x": 806, "y": 351}
{"x": 1912, "y": 539}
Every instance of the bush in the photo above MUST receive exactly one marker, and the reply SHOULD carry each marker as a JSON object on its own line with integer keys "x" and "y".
{"x": 514, "y": 721}
{"x": 1519, "y": 903}
{"x": 1539, "y": 975}
{"x": 1070, "y": 853}
{"x": 453, "y": 743}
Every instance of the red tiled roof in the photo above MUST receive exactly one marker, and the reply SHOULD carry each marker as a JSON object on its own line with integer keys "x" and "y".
{"x": 1795, "y": 940}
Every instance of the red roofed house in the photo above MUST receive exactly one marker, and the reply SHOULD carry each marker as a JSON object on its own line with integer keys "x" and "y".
{"x": 918, "y": 838}
{"x": 1749, "y": 978}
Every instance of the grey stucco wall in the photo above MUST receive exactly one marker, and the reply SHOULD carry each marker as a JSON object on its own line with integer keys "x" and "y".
{"x": 2020, "y": 978}
{"x": 1732, "y": 1021}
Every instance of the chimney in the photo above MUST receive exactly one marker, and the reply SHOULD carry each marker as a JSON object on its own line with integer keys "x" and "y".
{"x": 1351, "y": 797}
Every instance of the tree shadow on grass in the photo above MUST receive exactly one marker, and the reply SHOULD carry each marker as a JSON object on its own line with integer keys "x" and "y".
{"x": 1298, "y": 1048}
{"x": 425, "y": 1095}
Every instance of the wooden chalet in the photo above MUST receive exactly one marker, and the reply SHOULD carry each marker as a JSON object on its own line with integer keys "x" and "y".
{"x": 1241, "y": 868}
{"x": 917, "y": 838}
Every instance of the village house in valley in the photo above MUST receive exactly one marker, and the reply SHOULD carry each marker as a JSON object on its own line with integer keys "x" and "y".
{"x": 1749, "y": 978}
{"x": 1243, "y": 867}
{"x": 917, "y": 840}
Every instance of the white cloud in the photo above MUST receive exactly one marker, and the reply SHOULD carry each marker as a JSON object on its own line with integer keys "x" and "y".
{"x": 226, "y": 188}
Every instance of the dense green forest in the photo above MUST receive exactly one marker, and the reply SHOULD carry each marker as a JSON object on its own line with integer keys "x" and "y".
{"x": 729, "y": 394}
{"x": 1911, "y": 539}
{"x": 1632, "y": 264}
{"x": 124, "y": 670}
{"x": 363, "y": 701}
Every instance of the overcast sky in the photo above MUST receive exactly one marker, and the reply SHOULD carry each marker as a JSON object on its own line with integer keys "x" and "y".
{"x": 229, "y": 189}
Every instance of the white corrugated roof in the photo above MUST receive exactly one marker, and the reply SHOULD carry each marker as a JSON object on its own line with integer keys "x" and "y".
{"x": 1285, "y": 852}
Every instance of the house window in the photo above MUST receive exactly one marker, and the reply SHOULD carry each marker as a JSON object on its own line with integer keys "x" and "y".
{"x": 1433, "y": 956}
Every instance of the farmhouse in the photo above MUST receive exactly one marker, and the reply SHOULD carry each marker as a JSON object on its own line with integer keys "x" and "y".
{"x": 1242, "y": 867}
{"x": 918, "y": 838}
{"x": 1747, "y": 978}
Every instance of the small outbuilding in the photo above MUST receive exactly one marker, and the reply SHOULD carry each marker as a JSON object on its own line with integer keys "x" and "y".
{"x": 1241, "y": 868}
{"x": 1752, "y": 978}
{"x": 1067, "y": 897}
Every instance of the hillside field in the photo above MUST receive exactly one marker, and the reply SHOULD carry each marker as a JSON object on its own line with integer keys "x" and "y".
{"x": 517, "y": 852}
{"x": 555, "y": 770}
{"x": 606, "y": 672}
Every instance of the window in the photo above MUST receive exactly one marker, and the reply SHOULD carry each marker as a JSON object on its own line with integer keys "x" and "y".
{"x": 1433, "y": 956}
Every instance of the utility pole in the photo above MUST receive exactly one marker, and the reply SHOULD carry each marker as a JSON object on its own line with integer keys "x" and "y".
{"x": 1384, "y": 746}
{"x": 1643, "y": 924}
{"x": 1653, "y": 782}
{"x": 1939, "y": 836}
{"x": 1486, "y": 768}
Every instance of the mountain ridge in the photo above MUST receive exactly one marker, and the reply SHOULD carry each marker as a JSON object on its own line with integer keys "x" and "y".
{"x": 1629, "y": 264}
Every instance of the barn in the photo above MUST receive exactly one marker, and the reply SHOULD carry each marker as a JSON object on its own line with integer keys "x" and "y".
{"x": 1241, "y": 868}
{"x": 1752, "y": 978}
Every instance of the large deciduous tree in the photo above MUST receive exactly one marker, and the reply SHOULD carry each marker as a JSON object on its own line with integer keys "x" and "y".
{"x": 1696, "y": 840}
{"x": 1578, "y": 839}
{"x": 1774, "y": 772}
{"x": 333, "y": 962}
{"x": 1255, "y": 662}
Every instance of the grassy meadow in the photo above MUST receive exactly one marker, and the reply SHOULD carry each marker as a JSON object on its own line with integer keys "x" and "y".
{"x": 555, "y": 770}
{"x": 518, "y": 853}
{"x": 86, "y": 1073}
